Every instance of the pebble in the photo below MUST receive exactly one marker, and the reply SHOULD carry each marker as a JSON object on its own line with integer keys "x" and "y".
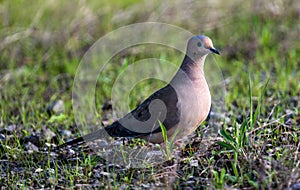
{"x": 49, "y": 134}
{"x": 11, "y": 128}
{"x": 31, "y": 147}
{"x": 194, "y": 163}
{"x": 38, "y": 170}
{"x": 2, "y": 137}
{"x": 296, "y": 186}
{"x": 66, "y": 133}
{"x": 56, "y": 107}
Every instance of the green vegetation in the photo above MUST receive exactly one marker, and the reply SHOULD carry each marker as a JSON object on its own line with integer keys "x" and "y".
{"x": 42, "y": 44}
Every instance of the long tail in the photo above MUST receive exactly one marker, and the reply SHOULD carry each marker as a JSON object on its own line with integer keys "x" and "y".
{"x": 101, "y": 133}
{"x": 114, "y": 130}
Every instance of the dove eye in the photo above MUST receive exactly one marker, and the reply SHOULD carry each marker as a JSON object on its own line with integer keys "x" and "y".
{"x": 199, "y": 44}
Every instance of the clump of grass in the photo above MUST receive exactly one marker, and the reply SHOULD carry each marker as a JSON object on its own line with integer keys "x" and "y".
{"x": 169, "y": 148}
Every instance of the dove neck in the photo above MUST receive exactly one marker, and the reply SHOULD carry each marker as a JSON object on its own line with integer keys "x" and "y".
{"x": 193, "y": 68}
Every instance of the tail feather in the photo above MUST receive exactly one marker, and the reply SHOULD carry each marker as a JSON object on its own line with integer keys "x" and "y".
{"x": 114, "y": 130}
{"x": 101, "y": 133}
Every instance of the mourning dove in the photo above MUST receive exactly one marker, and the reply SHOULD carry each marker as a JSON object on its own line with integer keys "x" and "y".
{"x": 181, "y": 106}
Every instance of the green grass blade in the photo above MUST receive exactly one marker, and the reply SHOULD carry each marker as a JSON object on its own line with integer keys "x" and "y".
{"x": 226, "y": 135}
{"x": 226, "y": 145}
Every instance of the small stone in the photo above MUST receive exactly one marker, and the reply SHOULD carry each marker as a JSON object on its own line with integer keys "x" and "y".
{"x": 56, "y": 107}
{"x": 51, "y": 170}
{"x": 190, "y": 182}
{"x": 194, "y": 163}
{"x": 38, "y": 170}
{"x": 66, "y": 133}
{"x": 48, "y": 144}
{"x": 146, "y": 186}
{"x": 11, "y": 128}
{"x": 49, "y": 134}
{"x": 117, "y": 143}
{"x": 59, "y": 107}
{"x": 290, "y": 121}
{"x": 71, "y": 151}
{"x": 31, "y": 147}
{"x": 296, "y": 186}
{"x": 2, "y": 137}
{"x": 105, "y": 174}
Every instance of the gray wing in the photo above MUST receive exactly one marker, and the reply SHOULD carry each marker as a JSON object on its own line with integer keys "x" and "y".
{"x": 138, "y": 122}
{"x": 142, "y": 114}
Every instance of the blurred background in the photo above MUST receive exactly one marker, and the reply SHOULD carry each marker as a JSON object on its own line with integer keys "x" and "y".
{"x": 42, "y": 42}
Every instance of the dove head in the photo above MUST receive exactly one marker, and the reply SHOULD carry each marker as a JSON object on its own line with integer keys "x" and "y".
{"x": 200, "y": 46}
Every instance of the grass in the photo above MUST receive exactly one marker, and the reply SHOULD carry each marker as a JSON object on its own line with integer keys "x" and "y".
{"x": 257, "y": 146}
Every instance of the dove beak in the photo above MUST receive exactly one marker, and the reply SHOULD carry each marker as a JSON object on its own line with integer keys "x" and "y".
{"x": 215, "y": 51}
